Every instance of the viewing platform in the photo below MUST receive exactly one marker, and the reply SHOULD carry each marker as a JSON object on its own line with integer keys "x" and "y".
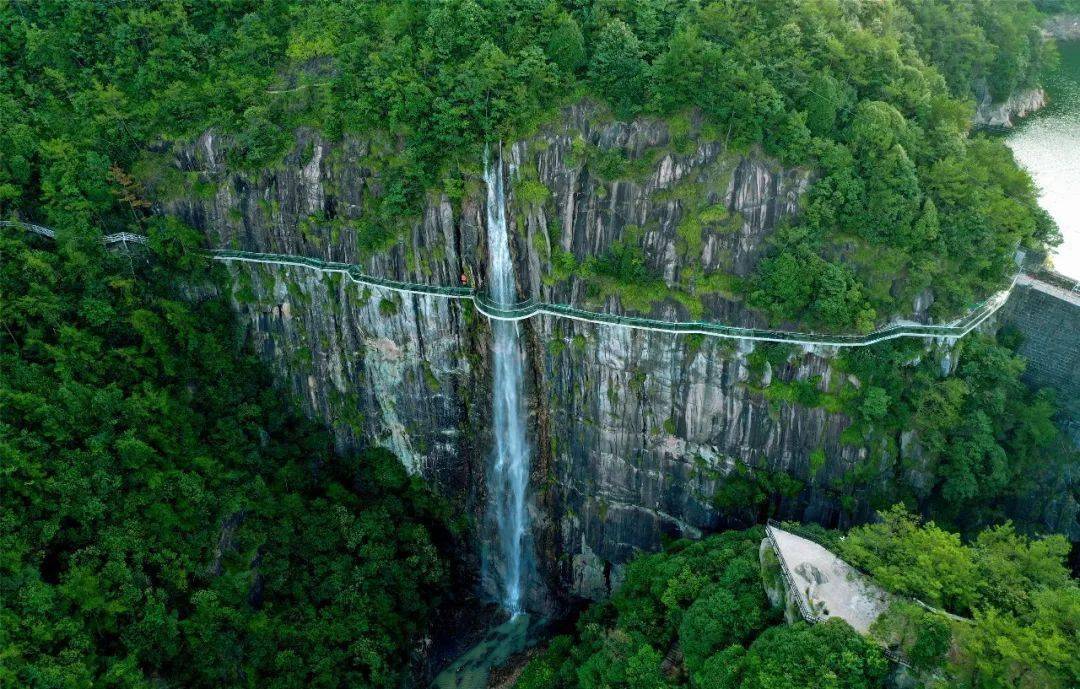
{"x": 824, "y": 585}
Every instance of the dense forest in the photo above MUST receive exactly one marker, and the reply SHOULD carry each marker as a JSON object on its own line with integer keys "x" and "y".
{"x": 167, "y": 518}
{"x": 697, "y": 615}
{"x": 875, "y": 96}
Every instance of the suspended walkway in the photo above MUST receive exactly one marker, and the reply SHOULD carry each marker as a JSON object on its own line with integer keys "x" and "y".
{"x": 532, "y": 307}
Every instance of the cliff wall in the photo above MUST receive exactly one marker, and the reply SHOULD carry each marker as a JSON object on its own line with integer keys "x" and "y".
{"x": 1064, "y": 27}
{"x": 1005, "y": 114}
{"x": 635, "y": 433}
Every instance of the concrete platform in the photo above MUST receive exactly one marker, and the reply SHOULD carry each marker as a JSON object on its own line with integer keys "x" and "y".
{"x": 828, "y": 586}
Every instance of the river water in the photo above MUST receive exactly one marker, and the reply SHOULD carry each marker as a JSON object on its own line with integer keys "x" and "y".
{"x": 1047, "y": 144}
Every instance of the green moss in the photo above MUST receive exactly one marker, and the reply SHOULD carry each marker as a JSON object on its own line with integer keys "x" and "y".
{"x": 693, "y": 341}
{"x": 802, "y": 392}
{"x": 429, "y": 378}
{"x": 715, "y": 214}
{"x": 202, "y": 188}
{"x": 681, "y": 129}
{"x": 689, "y": 233}
{"x": 531, "y": 192}
{"x": 388, "y": 307}
{"x": 540, "y": 245}
{"x": 852, "y": 435}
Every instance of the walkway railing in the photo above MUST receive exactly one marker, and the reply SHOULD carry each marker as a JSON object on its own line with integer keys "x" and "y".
{"x": 803, "y": 602}
{"x": 1056, "y": 279}
{"x": 811, "y": 536}
{"x": 532, "y": 307}
{"x": 51, "y": 234}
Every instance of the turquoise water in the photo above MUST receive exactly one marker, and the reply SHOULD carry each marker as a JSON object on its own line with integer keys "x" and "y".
{"x": 1048, "y": 145}
{"x": 471, "y": 670}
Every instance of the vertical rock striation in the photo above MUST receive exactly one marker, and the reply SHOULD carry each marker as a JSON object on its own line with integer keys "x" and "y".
{"x": 634, "y": 432}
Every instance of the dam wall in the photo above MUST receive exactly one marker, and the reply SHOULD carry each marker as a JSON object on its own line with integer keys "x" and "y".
{"x": 1047, "y": 314}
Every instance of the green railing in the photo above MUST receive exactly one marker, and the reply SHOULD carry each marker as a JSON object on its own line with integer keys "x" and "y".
{"x": 351, "y": 270}
{"x": 533, "y": 307}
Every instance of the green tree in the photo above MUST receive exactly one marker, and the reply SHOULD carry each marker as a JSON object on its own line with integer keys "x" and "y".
{"x": 718, "y": 619}
{"x": 618, "y": 68}
{"x": 800, "y": 656}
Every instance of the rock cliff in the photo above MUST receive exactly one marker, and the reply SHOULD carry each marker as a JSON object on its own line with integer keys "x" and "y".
{"x": 1064, "y": 27}
{"x": 635, "y": 432}
{"x": 1004, "y": 114}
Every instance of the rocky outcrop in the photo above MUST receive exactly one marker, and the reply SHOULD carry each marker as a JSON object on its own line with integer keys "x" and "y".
{"x": 1005, "y": 114}
{"x": 635, "y": 433}
{"x": 1064, "y": 27}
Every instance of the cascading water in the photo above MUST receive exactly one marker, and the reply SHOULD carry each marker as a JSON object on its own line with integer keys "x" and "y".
{"x": 509, "y": 475}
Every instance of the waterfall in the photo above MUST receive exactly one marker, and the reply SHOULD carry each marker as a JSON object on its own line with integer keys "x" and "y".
{"x": 509, "y": 473}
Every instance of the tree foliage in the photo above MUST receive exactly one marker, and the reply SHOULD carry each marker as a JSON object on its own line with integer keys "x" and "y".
{"x": 706, "y": 601}
{"x": 166, "y": 519}
{"x": 982, "y": 439}
{"x": 1019, "y": 591}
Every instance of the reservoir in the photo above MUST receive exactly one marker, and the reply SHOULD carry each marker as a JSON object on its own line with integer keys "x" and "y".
{"x": 1047, "y": 144}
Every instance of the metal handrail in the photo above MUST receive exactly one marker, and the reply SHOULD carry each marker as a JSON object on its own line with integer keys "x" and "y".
{"x": 785, "y": 571}
{"x": 51, "y": 234}
{"x": 533, "y": 307}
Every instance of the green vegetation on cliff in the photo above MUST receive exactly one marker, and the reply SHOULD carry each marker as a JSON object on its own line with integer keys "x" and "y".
{"x": 697, "y": 616}
{"x": 1024, "y": 604}
{"x": 970, "y": 447}
{"x": 956, "y": 434}
{"x": 903, "y": 200}
{"x": 165, "y": 519}
{"x": 995, "y": 42}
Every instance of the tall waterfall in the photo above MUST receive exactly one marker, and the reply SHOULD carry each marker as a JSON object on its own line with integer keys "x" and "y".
{"x": 509, "y": 474}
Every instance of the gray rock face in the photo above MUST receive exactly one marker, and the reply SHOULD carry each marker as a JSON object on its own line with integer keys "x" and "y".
{"x": 1050, "y": 327}
{"x": 1065, "y": 27}
{"x": 1004, "y": 114}
{"x": 634, "y": 432}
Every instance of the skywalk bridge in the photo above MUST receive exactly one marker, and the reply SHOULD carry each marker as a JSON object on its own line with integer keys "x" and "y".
{"x": 533, "y": 307}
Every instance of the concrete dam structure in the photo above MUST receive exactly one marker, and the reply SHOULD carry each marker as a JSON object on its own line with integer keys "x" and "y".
{"x": 1046, "y": 311}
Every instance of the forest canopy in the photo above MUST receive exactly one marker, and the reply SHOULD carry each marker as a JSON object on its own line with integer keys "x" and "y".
{"x": 697, "y": 616}
{"x": 166, "y": 517}
{"x": 875, "y": 96}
